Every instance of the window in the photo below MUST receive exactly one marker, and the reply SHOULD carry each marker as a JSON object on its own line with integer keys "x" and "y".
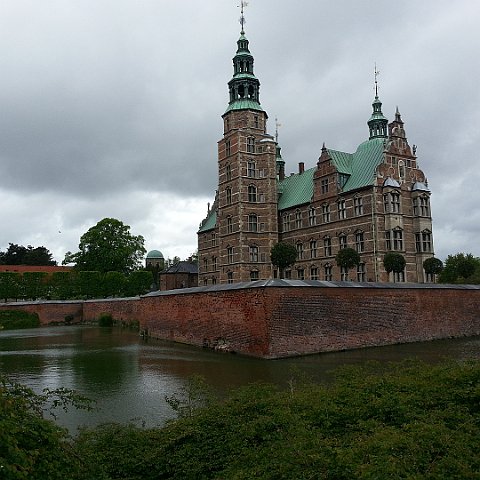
{"x": 251, "y": 170}
{"x": 228, "y": 171}
{"x": 298, "y": 219}
{"x": 214, "y": 263}
{"x": 342, "y": 240}
{"x": 358, "y": 206}
{"x": 314, "y": 273}
{"x": 230, "y": 277}
{"x": 324, "y": 185}
{"x": 285, "y": 223}
{"x": 288, "y": 274}
{"x": 252, "y": 193}
{"x": 326, "y": 213}
{"x": 253, "y": 253}
{"x": 205, "y": 265}
{"x": 423, "y": 241}
{"x": 229, "y": 224}
{"x": 424, "y": 207}
{"x": 361, "y": 274}
{"x": 301, "y": 274}
{"x": 228, "y": 148}
{"x": 342, "y": 210}
{"x": 250, "y": 145}
{"x": 399, "y": 276}
{"x": 299, "y": 251}
{"x": 397, "y": 239}
{"x": 395, "y": 202}
{"x": 253, "y": 275}
{"x": 213, "y": 239}
{"x": 230, "y": 254}
{"x": 255, "y": 121}
{"x": 312, "y": 216}
{"x": 327, "y": 272}
{"x": 313, "y": 249}
{"x": 229, "y": 195}
{"x": 359, "y": 242}
{"x": 344, "y": 274}
{"x": 205, "y": 281}
{"x": 327, "y": 246}
{"x": 401, "y": 169}
{"x": 252, "y": 223}
{"x": 214, "y": 280}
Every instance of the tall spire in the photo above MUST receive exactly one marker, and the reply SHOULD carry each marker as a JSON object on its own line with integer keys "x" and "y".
{"x": 244, "y": 86}
{"x": 377, "y": 122}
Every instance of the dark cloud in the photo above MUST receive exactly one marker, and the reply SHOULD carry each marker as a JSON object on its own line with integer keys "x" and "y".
{"x": 112, "y": 107}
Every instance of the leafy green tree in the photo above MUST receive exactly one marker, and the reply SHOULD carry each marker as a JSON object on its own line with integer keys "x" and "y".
{"x": 62, "y": 285}
{"x": 139, "y": 283}
{"x": 282, "y": 256}
{"x": 108, "y": 246}
{"x": 114, "y": 284}
{"x": 394, "y": 262}
{"x": 9, "y": 285}
{"x": 89, "y": 284}
{"x": 20, "y": 255}
{"x": 461, "y": 268}
{"x": 34, "y": 285}
{"x": 432, "y": 266}
{"x": 347, "y": 258}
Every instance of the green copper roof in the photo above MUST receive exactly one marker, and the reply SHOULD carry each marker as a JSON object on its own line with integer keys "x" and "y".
{"x": 209, "y": 222}
{"x": 244, "y": 104}
{"x": 359, "y": 166}
{"x": 296, "y": 189}
{"x": 154, "y": 254}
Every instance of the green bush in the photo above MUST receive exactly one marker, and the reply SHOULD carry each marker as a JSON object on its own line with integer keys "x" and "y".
{"x": 14, "y": 319}
{"x": 105, "y": 320}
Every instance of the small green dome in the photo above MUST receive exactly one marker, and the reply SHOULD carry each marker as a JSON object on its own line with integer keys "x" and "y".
{"x": 155, "y": 254}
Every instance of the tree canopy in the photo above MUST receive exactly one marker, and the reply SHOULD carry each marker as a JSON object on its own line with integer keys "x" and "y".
{"x": 433, "y": 266}
{"x": 283, "y": 255}
{"x": 461, "y": 268}
{"x": 347, "y": 258}
{"x": 20, "y": 255}
{"x": 108, "y": 246}
{"x": 394, "y": 262}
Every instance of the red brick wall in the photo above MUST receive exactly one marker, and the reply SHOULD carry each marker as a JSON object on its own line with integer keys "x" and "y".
{"x": 277, "y": 321}
{"x": 49, "y": 312}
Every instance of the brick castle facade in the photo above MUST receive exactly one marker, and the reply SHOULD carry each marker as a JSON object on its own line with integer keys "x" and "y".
{"x": 375, "y": 200}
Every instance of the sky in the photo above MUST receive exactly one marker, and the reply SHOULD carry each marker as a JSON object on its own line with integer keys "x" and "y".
{"x": 112, "y": 108}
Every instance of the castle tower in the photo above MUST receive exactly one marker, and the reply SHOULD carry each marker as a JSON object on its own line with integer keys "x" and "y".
{"x": 245, "y": 209}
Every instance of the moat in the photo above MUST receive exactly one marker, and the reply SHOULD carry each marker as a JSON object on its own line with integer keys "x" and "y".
{"x": 129, "y": 376}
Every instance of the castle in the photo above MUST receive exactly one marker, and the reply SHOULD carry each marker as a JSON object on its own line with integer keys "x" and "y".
{"x": 375, "y": 200}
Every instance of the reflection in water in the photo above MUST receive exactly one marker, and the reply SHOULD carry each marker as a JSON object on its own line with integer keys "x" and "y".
{"x": 129, "y": 376}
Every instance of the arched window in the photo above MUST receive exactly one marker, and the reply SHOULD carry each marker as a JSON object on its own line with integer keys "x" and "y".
{"x": 253, "y": 223}
{"x": 298, "y": 218}
{"x": 312, "y": 216}
{"x": 252, "y": 193}
{"x": 253, "y": 253}
{"x": 229, "y": 224}
{"x": 228, "y": 172}
{"x": 228, "y": 192}
{"x": 251, "y": 145}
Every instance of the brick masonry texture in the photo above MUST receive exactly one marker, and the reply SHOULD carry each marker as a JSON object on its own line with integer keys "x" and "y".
{"x": 277, "y": 318}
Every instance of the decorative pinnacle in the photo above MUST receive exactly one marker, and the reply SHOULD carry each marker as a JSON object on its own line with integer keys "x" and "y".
{"x": 376, "y": 74}
{"x": 276, "y": 129}
{"x": 242, "y": 5}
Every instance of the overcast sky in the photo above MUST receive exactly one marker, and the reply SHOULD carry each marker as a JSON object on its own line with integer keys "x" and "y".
{"x": 112, "y": 108}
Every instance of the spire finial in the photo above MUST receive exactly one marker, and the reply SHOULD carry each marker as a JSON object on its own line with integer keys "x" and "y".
{"x": 242, "y": 5}
{"x": 376, "y": 74}
{"x": 276, "y": 129}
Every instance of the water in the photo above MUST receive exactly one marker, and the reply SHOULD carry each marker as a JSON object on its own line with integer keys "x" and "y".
{"x": 129, "y": 376}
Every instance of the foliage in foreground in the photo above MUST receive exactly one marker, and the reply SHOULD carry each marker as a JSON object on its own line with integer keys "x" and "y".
{"x": 31, "y": 446}
{"x": 461, "y": 268}
{"x": 402, "y": 421}
{"x": 14, "y": 319}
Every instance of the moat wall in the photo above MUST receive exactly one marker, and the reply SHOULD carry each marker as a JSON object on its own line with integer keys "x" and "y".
{"x": 279, "y": 318}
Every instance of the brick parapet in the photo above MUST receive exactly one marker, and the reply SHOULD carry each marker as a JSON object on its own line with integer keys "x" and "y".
{"x": 279, "y": 318}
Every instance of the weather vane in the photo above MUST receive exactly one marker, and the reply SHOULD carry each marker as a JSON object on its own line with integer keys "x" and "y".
{"x": 376, "y": 73}
{"x": 242, "y": 5}
{"x": 277, "y": 125}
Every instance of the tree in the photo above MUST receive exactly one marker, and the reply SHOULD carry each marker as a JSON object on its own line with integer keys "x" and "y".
{"x": 34, "y": 285}
{"x": 282, "y": 256}
{"x": 432, "y": 266}
{"x": 347, "y": 258}
{"x": 394, "y": 262}
{"x": 9, "y": 285}
{"x": 20, "y": 255}
{"x": 108, "y": 246}
{"x": 460, "y": 268}
{"x": 139, "y": 283}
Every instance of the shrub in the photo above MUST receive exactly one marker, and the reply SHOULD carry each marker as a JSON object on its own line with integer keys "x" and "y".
{"x": 13, "y": 319}
{"x": 105, "y": 320}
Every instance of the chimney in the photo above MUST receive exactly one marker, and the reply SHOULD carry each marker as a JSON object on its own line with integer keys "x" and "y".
{"x": 301, "y": 167}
